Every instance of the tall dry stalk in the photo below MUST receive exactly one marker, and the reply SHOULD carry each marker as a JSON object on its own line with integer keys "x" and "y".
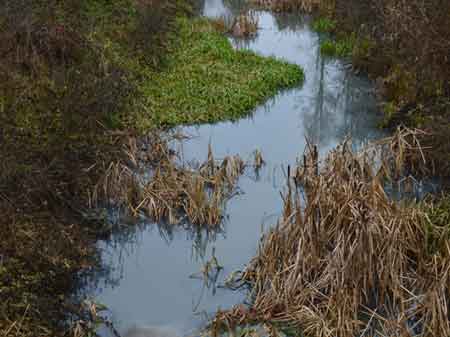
{"x": 345, "y": 260}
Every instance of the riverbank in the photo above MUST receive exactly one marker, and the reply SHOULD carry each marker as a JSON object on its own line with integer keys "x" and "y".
{"x": 78, "y": 81}
{"x": 404, "y": 49}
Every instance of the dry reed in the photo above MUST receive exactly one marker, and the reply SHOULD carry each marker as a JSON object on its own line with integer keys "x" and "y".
{"x": 306, "y": 6}
{"x": 152, "y": 182}
{"x": 345, "y": 260}
{"x": 245, "y": 25}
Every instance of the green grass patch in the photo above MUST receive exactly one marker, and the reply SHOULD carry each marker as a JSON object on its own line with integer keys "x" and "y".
{"x": 437, "y": 224}
{"x": 338, "y": 48}
{"x": 324, "y": 25}
{"x": 207, "y": 80}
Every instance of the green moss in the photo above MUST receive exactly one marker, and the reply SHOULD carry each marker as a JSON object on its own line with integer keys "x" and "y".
{"x": 206, "y": 80}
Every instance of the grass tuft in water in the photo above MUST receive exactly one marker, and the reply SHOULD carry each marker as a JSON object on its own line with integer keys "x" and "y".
{"x": 245, "y": 25}
{"x": 176, "y": 193}
{"x": 306, "y": 6}
{"x": 324, "y": 25}
{"x": 338, "y": 48}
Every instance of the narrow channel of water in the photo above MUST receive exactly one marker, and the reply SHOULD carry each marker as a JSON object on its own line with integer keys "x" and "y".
{"x": 153, "y": 265}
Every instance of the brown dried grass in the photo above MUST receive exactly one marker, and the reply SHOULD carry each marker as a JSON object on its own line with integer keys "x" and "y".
{"x": 245, "y": 25}
{"x": 174, "y": 193}
{"x": 307, "y": 6}
{"x": 346, "y": 260}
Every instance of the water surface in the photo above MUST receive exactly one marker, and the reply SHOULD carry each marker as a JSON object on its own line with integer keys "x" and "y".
{"x": 153, "y": 265}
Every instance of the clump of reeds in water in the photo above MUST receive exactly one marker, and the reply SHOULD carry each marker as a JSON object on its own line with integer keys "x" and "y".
{"x": 245, "y": 25}
{"x": 345, "y": 260}
{"x": 173, "y": 192}
{"x": 306, "y": 6}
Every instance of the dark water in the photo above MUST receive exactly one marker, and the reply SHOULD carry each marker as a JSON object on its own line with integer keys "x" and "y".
{"x": 152, "y": 265}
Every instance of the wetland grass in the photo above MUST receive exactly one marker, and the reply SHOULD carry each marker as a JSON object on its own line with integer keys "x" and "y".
{"x": 259, "y": 161}
{"x": 174, "y": 192}
{"x": 345, "y": 259}
{"x": 307, "y": 6}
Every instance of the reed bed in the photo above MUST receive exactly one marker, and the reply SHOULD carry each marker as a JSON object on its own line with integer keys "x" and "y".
{"x": 344, "y": 259}
{"x": 152, "y": 181}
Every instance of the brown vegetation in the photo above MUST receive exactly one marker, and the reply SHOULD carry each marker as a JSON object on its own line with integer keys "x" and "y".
{"x": 245, "y": 25}
{"x": 287, "y": 5}
{"x": 174, "y": 192}
{"x": 346, "y": 260}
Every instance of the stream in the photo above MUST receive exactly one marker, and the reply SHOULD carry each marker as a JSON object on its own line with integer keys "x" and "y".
{"x": 154, "y": 272}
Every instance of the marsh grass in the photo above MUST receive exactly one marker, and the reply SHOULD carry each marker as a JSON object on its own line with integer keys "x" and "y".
{"x": 324, "y": 25}
{"x": 307, "y": 6}
{"x": 259, "y": 161}
{"x": 344, "y": 259}
{"x": 341, "y": 47}
{"x": 174, "y": 193}
{"x": 245, "y": 25}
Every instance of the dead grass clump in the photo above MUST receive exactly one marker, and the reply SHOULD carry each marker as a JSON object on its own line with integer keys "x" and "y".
{"x": 259, "y": 161}
{"x": 173, "y": 193}
{"x": 307, "y": 6}
{"x": 221, "y": 24}
{"x": 344, "y": 259}
{"x": 245, "y": 25}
